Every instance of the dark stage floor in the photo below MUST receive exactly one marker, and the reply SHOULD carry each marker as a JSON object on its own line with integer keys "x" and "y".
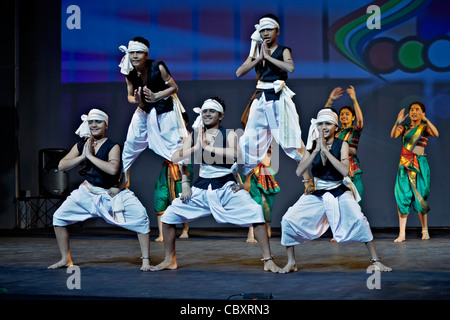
{"x": 217, "y": 264}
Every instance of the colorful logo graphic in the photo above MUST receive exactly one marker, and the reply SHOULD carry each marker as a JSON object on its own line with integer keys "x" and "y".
{"x": 379, "y": 52}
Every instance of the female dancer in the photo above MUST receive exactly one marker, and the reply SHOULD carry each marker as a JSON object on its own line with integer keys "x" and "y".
{"x": 412, "y": 185}
{"x": 350, "y": 133}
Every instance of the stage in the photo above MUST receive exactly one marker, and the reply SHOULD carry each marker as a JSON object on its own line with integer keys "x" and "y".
{"x": 217, "y": 264}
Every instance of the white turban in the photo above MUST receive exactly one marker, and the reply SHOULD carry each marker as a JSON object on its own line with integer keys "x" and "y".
{"x": 209, "y": 104}
{"x": 324, "y": 115}
{"x": 95, "y": 114}
{"x": 264, "y": 23}
{"x": 133, "y": 46}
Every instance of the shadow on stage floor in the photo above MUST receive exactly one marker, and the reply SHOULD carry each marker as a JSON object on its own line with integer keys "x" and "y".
{"x": 217, "y": 264}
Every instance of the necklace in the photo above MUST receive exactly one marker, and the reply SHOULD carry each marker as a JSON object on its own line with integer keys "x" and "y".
{"x": 213, "y": 137}
{"x": 96, "y": 142}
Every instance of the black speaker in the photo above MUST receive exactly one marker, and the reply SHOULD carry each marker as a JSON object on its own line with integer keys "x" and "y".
{"x": 52, "y": 182}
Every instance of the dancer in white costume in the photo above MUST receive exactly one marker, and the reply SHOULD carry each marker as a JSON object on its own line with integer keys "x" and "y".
{"x": 271, "y": 112}
{"x": 215, "y": 192}
{"x": 332, "y": 203}
{"x": 98, "y": 196}
{"x": 157, "y": 123}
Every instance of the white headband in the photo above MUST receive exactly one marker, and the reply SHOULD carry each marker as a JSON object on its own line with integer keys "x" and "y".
{"x": 133, "y": 46}
{"x": 327, "y": 115}
{"x": 324, "y": 115}
{"x": 209, "y": 104}
{"x": 95, "y": 114}
{"x": 264, "y": 23}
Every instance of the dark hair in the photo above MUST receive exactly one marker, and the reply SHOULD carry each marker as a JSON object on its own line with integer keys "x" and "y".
{"x": 421, "y": 105}
{"x": 350, "y": 109}
{"x": 219, "y": 100}
{"x": 142, "y": 40}
{"x": 332, "y": 109}
{"x": 271, "y": 16}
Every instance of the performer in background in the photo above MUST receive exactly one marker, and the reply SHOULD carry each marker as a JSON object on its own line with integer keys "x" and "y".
{"x": 99, "y": 196}
{"x": 412, "y": 185}
{"x": 350, "y": 133}
{"x": 168, "y": 186}
{"x": 271, "y": 112}
{"x": 332, "y": 203}
{"x": 215, "y": 192}
{"x": 157, "y": 123}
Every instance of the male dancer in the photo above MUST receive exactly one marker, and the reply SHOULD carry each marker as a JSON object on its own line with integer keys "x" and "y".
{"x": 332, "y": 203}
{"x": 157, "y": 122}
{"x": 272, "y": 112}
{"x": 98, "y": 195}
{"x": 215, "y": 191}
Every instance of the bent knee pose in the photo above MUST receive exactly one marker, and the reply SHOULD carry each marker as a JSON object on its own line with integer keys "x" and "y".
{"x": 215, "y": 192}
{"x": 331, "y": 204}
{"x": 99, "y": 195}
{"x": 412, "y": 186}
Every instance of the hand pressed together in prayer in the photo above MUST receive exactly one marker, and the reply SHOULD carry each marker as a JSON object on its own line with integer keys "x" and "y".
{"x": 88, "y": 149}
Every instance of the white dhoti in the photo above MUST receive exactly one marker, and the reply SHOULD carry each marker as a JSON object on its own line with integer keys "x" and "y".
{"x": 270, "y": 119}
{"x": 158, "y": 132}
{"x": 225, "y": 205}
{"x": 83, "y": 204}
{"x": 311, "y": 216}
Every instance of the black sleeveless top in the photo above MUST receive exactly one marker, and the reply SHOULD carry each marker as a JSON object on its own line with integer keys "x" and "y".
{"x": 269, "y": 72}
{"x": 155, "y": 83}
{"x": 216, "y": 183}
{"x": 328, "y": 172}
{"x": 93, "y": 174}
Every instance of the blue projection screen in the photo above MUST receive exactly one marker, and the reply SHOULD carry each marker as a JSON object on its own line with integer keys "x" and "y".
{"x": 208, "y": 40}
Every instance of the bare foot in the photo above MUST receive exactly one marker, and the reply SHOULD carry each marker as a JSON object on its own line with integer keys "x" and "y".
{"x": 159, "y": 239}
{"x": 251, "y": 240}
{"x": 289, "y": 267}
{"x": 333, "y": 240}
{"x": 166, "y": 264}
{"x": 64, "y": 262}
{"x": 145, "y": 264}
{"x": 271, "y": 266}
{"x": 425, "y": 235}
{"x": 401, "y": 238}
{"x": 184, "y": 235}
{"x": 379, "y": 266}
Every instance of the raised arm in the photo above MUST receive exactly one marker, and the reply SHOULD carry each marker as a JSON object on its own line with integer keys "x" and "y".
{"x": 334, "y": 95}
{"x": 400, "y": 118}
{"x": 431, "y": 128}
{"x": 358, "y": 112}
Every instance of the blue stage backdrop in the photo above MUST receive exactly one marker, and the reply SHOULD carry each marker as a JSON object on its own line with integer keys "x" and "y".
{"x": 391, "y": 59}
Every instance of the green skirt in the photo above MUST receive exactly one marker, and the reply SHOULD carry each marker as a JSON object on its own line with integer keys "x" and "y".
{"x": 404, "y": 191}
